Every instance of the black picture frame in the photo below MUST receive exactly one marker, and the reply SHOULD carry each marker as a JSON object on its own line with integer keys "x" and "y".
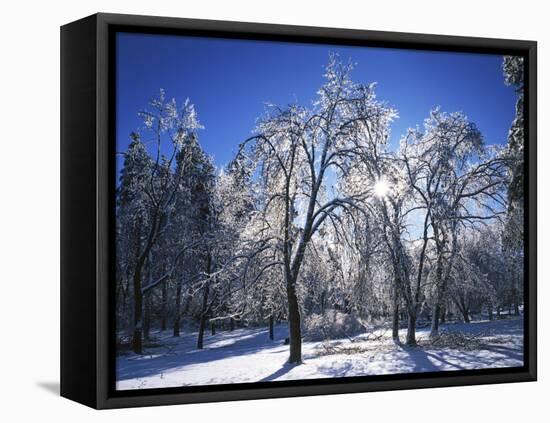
{"x": 87, "y": 210}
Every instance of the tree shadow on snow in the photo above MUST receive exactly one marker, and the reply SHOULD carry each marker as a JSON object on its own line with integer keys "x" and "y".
{"x": 508, "y": 352}
{"x": 423, "y": 361}
{"x": 186, "y": 354}
{"x": 287, "y": 367}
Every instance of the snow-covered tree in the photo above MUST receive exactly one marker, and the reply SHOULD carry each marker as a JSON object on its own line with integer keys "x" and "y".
{"x": 131, "y": 216}
{"x": 513, "y": 232}
{"x": 169, "y": 127}
{"x": 295, "y": 151}
{"x": 459, "y": 183}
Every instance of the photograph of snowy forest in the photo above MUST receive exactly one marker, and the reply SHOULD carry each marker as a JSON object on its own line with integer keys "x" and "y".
{"x": 290, "y": 211}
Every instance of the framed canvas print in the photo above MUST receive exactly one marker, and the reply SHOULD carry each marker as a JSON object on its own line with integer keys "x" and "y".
{"x": 255, "y": 211}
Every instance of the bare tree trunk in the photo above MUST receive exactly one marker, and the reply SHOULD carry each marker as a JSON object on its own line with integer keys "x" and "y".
{"x": 231, "y": 324}
{"x": 411, "y": 328}
{"x": 177, "y": 311}
{"x": 147, "y": 317}
{"x": 200, "y": 339}
{"x": 295, "y": 334}
{"x": 147, "y": 300}
{"x": 411, "y": 296}
{"x": 443, "y": 271}
{"x": 434, "y": 332}
{"x": 137, "y": 346}
{"x": 137, "y": 343}
{"x": 271, "y": 327}
{"x": 442, "y": 314}
{"x": 490, "y": 310}
{"x": 395, "y": 323}
{"x": 463, "y": 306}
{"x": 164, "y": 307}
{"x": 516, "y": 292}
{"x": 465, "y": 315}
{"x": 122, "y": 303}
{"x": 212, "y": 327}
{"x": 204, "y": 307}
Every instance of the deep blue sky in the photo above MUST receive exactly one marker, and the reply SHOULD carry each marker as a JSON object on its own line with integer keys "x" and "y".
{"x": 230, "y": 80}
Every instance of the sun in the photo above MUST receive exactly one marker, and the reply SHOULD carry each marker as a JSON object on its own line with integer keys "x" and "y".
{"x": 381, "y": 188}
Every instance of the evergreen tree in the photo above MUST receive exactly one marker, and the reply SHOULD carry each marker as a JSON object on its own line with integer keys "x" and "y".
{"x": 131, "y": 216}
{"x": 514, "y": 229}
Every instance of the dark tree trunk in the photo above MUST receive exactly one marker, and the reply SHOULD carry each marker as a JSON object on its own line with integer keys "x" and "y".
{"x": 137, "y": 345}
{"x": 395, "y": 323}
{"x": 231, "y": 324}
{"x": 164, "y": 307}
{"x": 204, "y": 309}
{"x": 122, "y": 303}
{"x": 498, "y": 312}
{"x": 271, "y": 327}
{"x": 213, "y": 327}
{"x": 434, "y": 332}
{"x": 189, "y": 299}
{"x": 147, "y": 318}
{"x": 411, "y": 329}
{"x": 294, "y": 326}
{"x": 490, "y": 310}
{"x": 463, "y": 306}
{"x": 516, "y": 308}
{"x": 465, "y": 315}
{"x": 147, "y": 301}
{"x": 202, "y": 324}
{"x": 395, "y": 311}
{"x": 177, "y": 311}
{"x": 442, "y": 314}
{"x": 177, "y": 325}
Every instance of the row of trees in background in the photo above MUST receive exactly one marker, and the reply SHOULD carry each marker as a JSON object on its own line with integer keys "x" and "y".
{"x": 318, "y": 212}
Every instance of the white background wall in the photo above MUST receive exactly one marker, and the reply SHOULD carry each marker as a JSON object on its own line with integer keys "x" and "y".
{"x": 29, "y": 208}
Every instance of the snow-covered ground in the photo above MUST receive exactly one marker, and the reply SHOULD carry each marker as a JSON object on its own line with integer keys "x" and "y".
{"x": 247, "y": 355}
